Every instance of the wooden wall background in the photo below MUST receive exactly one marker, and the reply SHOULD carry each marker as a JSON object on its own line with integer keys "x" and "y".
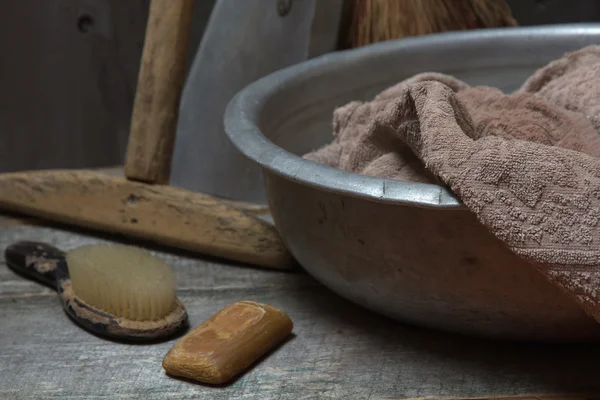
{"x": 69, "y": 68}
{"x": 67, "y": 79}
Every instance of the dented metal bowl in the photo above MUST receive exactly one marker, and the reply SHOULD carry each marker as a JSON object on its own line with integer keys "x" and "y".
{"x": 407, "y": 250}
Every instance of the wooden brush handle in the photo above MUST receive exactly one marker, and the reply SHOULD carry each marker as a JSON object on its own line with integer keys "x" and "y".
{"x": 158, "y": 213}
{"x": 160, "y": 81}
{"x": 39, "y": 261}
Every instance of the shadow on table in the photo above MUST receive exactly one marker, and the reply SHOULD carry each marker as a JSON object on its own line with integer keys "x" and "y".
{"x": 558, "y": 368}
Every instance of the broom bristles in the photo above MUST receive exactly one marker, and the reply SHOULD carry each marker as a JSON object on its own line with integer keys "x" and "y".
{"x": 379, "y": 20}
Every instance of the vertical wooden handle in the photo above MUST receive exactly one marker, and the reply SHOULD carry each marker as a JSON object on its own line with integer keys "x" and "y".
{"x": 160, "y": 82}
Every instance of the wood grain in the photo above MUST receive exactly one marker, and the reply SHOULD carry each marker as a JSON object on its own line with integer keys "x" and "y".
{"x": 160, "y": 81}
{"x": 261, "y": 210}
{"x": 542, "y": 397}
{"x": 338, "y": 350}
{"x": 68, "y": 87}
{"x": 158, "y": 213}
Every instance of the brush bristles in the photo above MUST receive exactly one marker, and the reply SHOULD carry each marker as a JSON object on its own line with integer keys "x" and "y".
{"x": 380, "y": 20}
{"x": 123, "y": 281}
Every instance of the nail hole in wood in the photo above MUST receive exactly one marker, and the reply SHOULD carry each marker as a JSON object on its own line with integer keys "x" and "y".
{"x": 85, "y": 23}
{"x": 284, "y": 7}
{"x": 471, "y": 260}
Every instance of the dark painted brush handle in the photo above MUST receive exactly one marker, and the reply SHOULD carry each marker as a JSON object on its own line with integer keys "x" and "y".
{"x": 39, "y": 261}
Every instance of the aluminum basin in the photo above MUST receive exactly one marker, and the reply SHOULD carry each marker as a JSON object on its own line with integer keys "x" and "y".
{"x": 410, "y": 251}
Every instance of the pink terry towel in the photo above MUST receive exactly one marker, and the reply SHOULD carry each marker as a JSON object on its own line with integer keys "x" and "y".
{"x": 527, "y": 164}
{"x": 572, "y": 82}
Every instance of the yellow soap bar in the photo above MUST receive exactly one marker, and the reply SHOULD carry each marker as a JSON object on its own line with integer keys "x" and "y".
{"x": 228, "y": 342}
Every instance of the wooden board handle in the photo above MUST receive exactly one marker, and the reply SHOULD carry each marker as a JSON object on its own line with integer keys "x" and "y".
{"x": 160, "y": 82}
{"x": 158, "y": 213}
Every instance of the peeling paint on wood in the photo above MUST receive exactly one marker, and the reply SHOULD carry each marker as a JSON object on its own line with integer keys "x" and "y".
{"x": 159, "y": 213}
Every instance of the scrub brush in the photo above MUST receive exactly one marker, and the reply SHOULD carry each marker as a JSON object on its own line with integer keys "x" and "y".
{"x": 115, "y": 291}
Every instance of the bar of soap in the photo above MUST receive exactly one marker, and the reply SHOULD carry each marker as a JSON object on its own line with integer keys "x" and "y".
{"x": 227, "y": 343}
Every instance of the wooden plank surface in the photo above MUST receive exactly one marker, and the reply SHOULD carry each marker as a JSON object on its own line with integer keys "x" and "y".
{"x": 69, "y": 77}
{"x": 160, "y": 213}
{"x": 338, "y": 350}
{"x": 68, "y": 81}
{"x": 542, "y": 397}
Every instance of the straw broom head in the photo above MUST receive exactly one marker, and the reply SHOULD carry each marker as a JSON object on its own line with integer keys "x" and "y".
{"x": 379, "y": 20}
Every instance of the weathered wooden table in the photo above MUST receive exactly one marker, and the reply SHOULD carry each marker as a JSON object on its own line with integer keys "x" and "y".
{"x": 338, "y": 350}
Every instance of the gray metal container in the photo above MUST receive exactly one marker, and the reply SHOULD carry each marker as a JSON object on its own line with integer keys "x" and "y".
{"x": 410, "y": 251}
